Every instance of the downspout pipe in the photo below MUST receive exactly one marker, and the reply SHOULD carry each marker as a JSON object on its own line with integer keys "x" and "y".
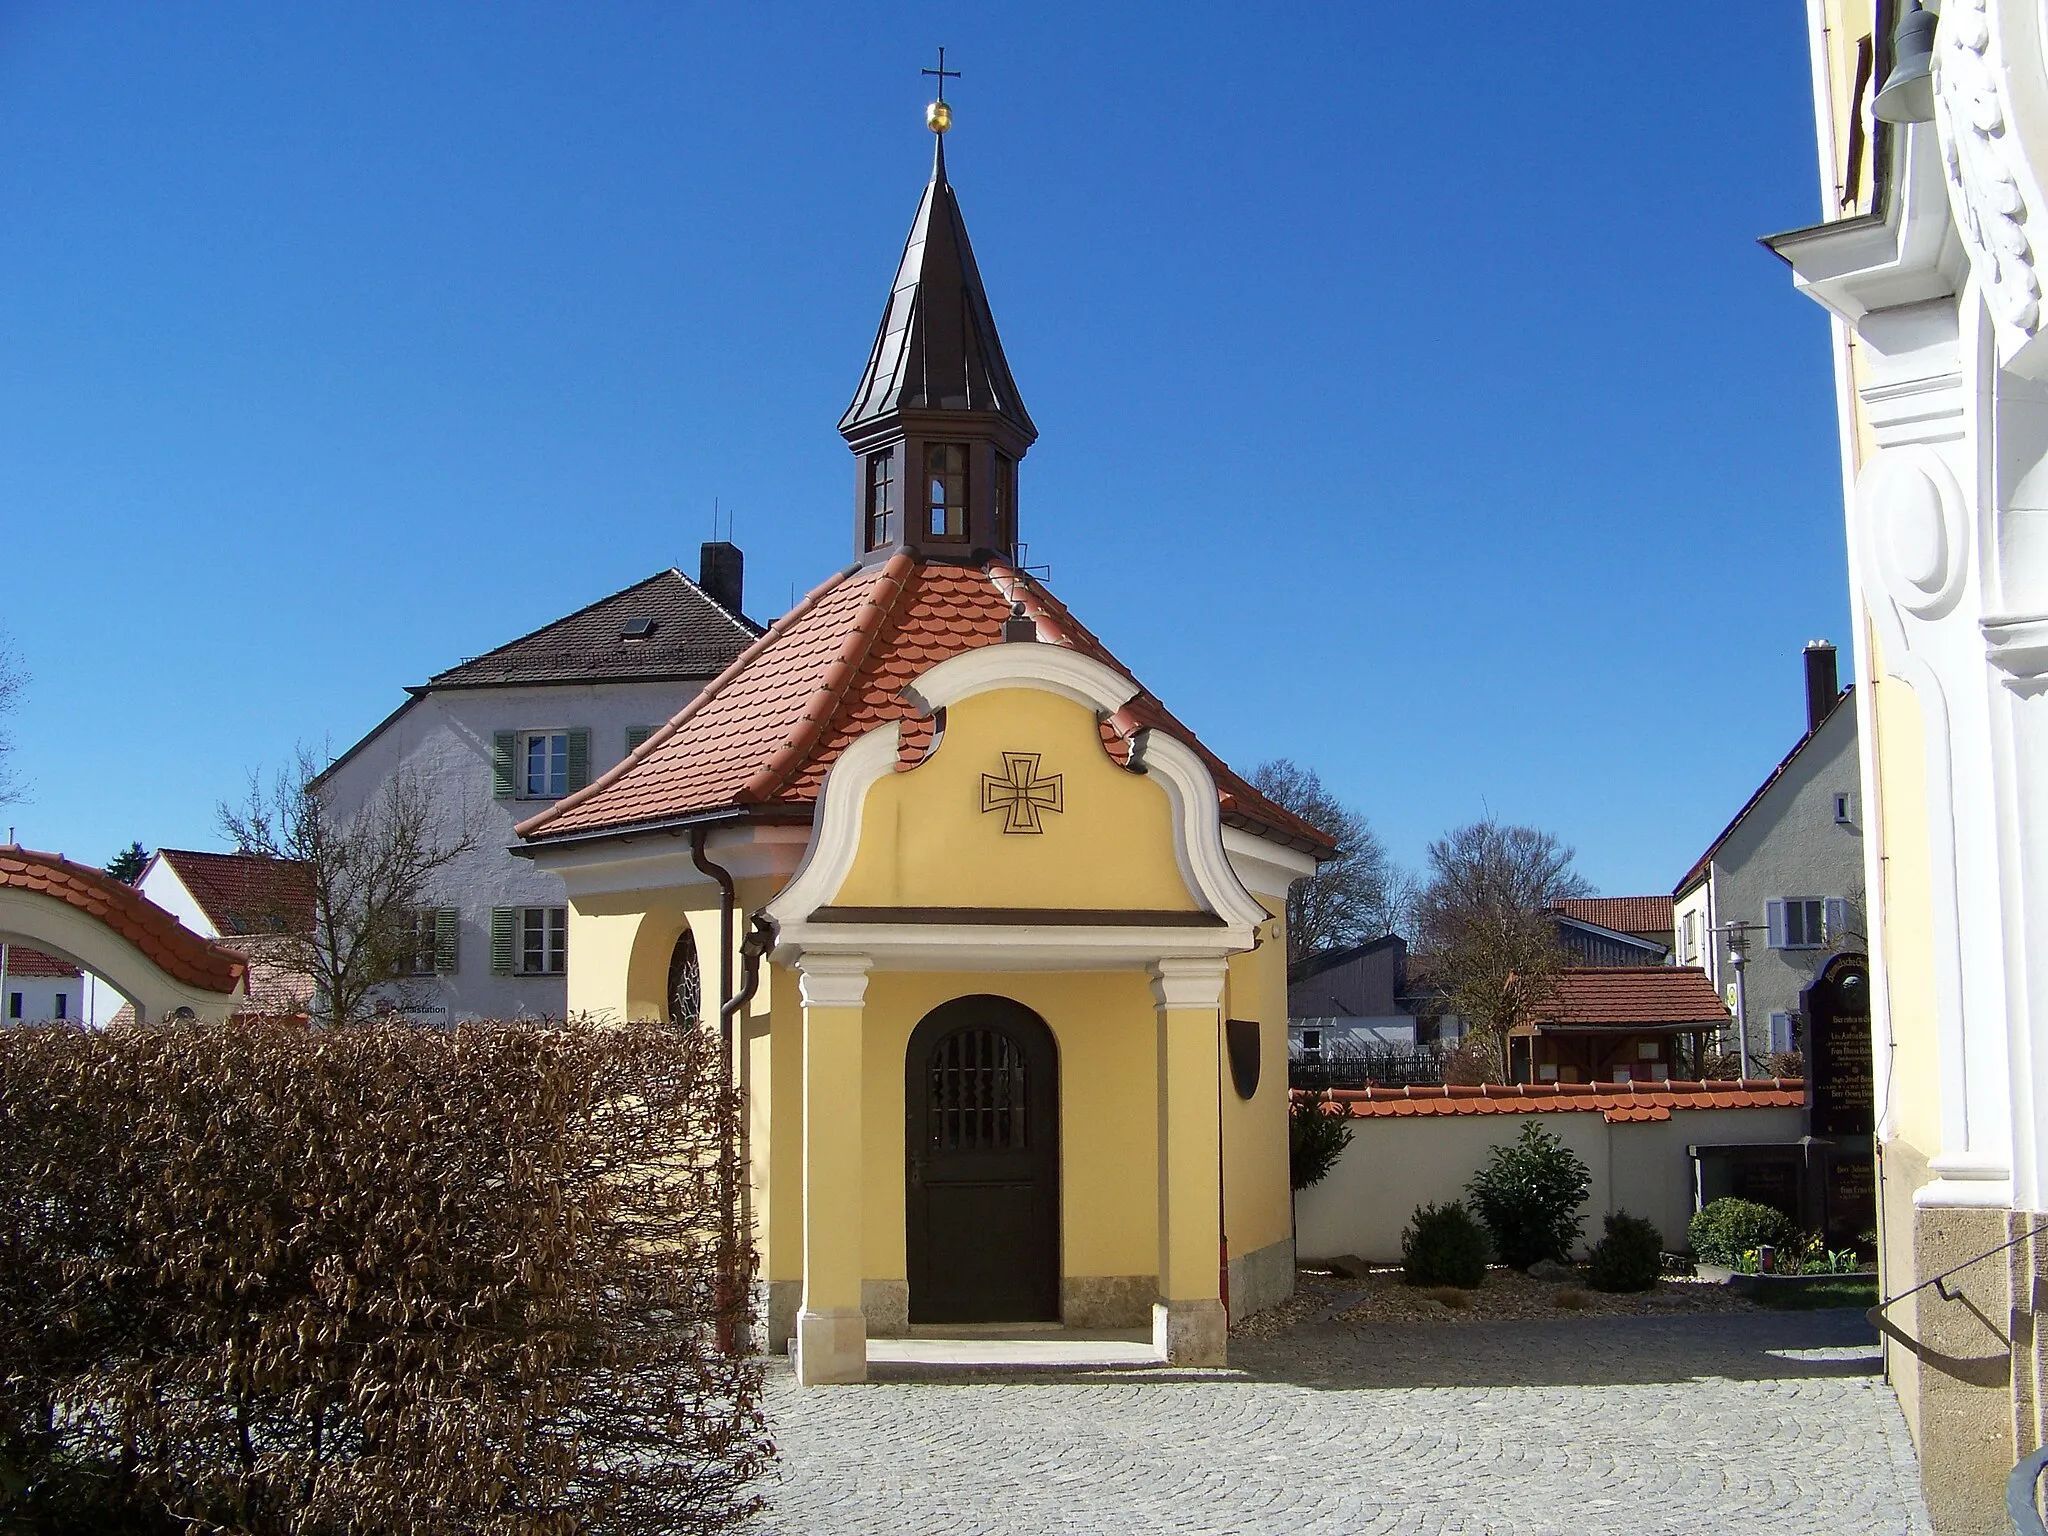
{"x": 728, "y": 1151}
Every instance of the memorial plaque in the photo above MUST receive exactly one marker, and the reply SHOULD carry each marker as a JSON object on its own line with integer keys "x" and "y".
{"x": 1851, "y": 1201}
{"x": 1840, "y": 1085}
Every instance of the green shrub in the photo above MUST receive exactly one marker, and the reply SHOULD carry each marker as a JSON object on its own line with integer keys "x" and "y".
{"x": 1723, "y": 1230}
{"x": 1443, "y": 1245}
{"x": 1529, "y": 1195}
{"x": 1629, "y": 1257}
{"x": 1318, "y": 1131}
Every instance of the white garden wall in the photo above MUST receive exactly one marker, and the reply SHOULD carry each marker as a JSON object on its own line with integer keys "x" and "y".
{"x": 1397, "y": 1162}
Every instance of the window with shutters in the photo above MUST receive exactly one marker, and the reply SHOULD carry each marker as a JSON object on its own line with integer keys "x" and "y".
{"x": 540, "y": 764}
{"x": 1796, "y": 922}
{"x": 430, "y": 950}
{"x": 543, "y": 941}
{"x": 636, "y": 736}
{"x": 1783, "y": 1033}
{"x": 545, "y": 756}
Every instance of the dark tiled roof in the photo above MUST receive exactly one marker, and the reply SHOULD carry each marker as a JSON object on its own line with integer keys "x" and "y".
{"x": 1698, "y": 872}
{"x": 23, "y": 961}
{"x": 937, "y": 347}
{"x": 1616, "y": 1101}
{"x": 243, "y": 893}
{"x": 1624, "y": 914}
{"x": 174, "y": 948}
{"x": 692, "y": 636}
{"x": 1635, "y": 996}
{"x": 765, "y": 732}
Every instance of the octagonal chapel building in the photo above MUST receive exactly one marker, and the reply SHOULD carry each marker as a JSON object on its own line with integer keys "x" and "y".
{"x": 1001, "y": 945}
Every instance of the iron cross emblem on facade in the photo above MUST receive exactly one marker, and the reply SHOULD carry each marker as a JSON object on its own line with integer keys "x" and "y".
{"x": 1019, "y": 793}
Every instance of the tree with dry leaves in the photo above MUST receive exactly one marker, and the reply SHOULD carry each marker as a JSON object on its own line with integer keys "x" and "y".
{"x": 1493, "y": 951}
{"x": 351, "y": 924}
{"x": 284, "y": 1282}
{"x": 1359, "y": 895}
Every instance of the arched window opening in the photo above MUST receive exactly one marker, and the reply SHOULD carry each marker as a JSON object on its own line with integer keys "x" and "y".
{"x": 685, "y": 982}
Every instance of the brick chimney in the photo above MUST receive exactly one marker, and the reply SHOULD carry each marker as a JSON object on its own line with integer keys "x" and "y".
{"x": 1822, "y": 687}
{"x": 722, "y": 571}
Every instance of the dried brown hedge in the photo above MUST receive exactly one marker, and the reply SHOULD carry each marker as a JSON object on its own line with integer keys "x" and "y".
{"x": 381, "y": 1279}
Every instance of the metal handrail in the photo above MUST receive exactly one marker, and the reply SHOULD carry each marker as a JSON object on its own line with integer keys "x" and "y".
{"x": 2022, "y": 1506}
{"x": 1983, "y": 1371}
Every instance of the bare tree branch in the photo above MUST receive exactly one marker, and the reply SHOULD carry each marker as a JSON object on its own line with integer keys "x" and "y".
{"x": 1481, "y": 918}
{"x": 1360, "y": 894}
{"x": 351, "y": 925}
{"x": 13, "y": 683}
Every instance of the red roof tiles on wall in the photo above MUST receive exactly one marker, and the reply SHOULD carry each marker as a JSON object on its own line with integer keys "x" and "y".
{"x": 1624, "y": 914}
{"x": 1618, "y": 1102}
{"x": 174, "y": 948}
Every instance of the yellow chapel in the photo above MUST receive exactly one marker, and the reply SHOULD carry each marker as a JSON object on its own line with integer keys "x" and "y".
{"x": 999, "y": 947}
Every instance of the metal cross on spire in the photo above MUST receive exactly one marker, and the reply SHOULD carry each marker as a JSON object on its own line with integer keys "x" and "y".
{"x": 943, "y": 73}
{"x": 939, "y": 116}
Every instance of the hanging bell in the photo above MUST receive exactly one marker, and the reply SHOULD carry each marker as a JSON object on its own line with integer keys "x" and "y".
{"x": 1908, "y": 92}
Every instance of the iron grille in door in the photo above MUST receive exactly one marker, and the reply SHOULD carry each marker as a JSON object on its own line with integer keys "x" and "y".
{"x": 978, "y": 1093}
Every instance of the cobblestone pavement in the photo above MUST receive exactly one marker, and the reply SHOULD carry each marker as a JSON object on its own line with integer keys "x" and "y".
{"x": 1769, "y": 1422}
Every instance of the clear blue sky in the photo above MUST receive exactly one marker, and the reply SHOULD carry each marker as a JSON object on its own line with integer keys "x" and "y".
{"x": 1414, "y": 399}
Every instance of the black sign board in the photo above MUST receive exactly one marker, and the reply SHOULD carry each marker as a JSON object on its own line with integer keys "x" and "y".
{"x": 1840, "y": 1087}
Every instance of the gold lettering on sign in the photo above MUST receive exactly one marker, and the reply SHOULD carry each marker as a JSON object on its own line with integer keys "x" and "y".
{"x": 1019, "y": 793}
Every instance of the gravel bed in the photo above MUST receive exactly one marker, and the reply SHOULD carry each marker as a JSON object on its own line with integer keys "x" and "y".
{"x": 1380, "y": 1296}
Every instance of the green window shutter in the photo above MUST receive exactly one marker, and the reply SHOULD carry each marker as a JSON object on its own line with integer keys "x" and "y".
{"x": 635, "y": 735}
{"x": 447, "y": 929}
{"x": 502, "y": 919}
{"x": 579, "y": 759}
{"x": 504, "y": 748}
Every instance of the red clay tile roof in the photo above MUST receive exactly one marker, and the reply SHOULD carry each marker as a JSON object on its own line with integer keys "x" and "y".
{"x": 1618, "y": 1102}
{"x": 243, "y": 893}
{"x": 23, "y": 961}
{"x": 1638, "y": 996}
{"x": 175, "y": 948}
{"x": 1624, "y": 914}
{"x": 764, "y": 733}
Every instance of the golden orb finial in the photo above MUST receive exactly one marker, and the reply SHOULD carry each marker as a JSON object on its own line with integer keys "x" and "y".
{"x": 938, "y": 116}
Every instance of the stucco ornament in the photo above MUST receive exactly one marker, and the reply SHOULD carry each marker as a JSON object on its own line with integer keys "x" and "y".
{"x": 1981, "y": 162}
{"x": 1912, "y": 529}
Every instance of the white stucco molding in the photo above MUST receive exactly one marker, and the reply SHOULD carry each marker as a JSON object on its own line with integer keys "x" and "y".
{"x": 1963, "y": 1179}
{"x": 1053, "y": 668}
{"x": 835, "y": 829}
{"x": 1189, "y": 981}
{"x": 1230, "y": 917}
{"x": 2017, "y": 646}
{"x": 1908, "y": 253}
{"x": 34, "y": 920}
{"x": 833, "y": 981}
{"x": 1994, "y": 195}
{"x": 1915, "y": 527}
{"x": 1198, "y": 821}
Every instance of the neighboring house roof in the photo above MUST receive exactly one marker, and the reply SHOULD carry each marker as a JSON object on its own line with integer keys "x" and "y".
{"x": 23, "y": 961}
{"x": 1622, "y": 997}
{"x": 243, "y": 893}
{"x": 687, "y": 633}
{"x": 1624, "y": 914}
{"x": 174, "y": 948}
{"x": 277, "y": 988}
{"x": 1617, "y": 1102}
{"x": 1355, "y": 981}
{"x": 760, "y": 738}
{"x": 1698, "y": 872}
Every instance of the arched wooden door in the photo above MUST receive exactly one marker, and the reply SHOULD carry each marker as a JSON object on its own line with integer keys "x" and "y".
{"x": 981, "y": 1143}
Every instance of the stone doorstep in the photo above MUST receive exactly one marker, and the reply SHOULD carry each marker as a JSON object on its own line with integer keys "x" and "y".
{"x": 1004, "y": 1346}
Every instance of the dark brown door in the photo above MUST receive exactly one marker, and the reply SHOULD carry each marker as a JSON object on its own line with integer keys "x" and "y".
{"x": 981, "y": 1093}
